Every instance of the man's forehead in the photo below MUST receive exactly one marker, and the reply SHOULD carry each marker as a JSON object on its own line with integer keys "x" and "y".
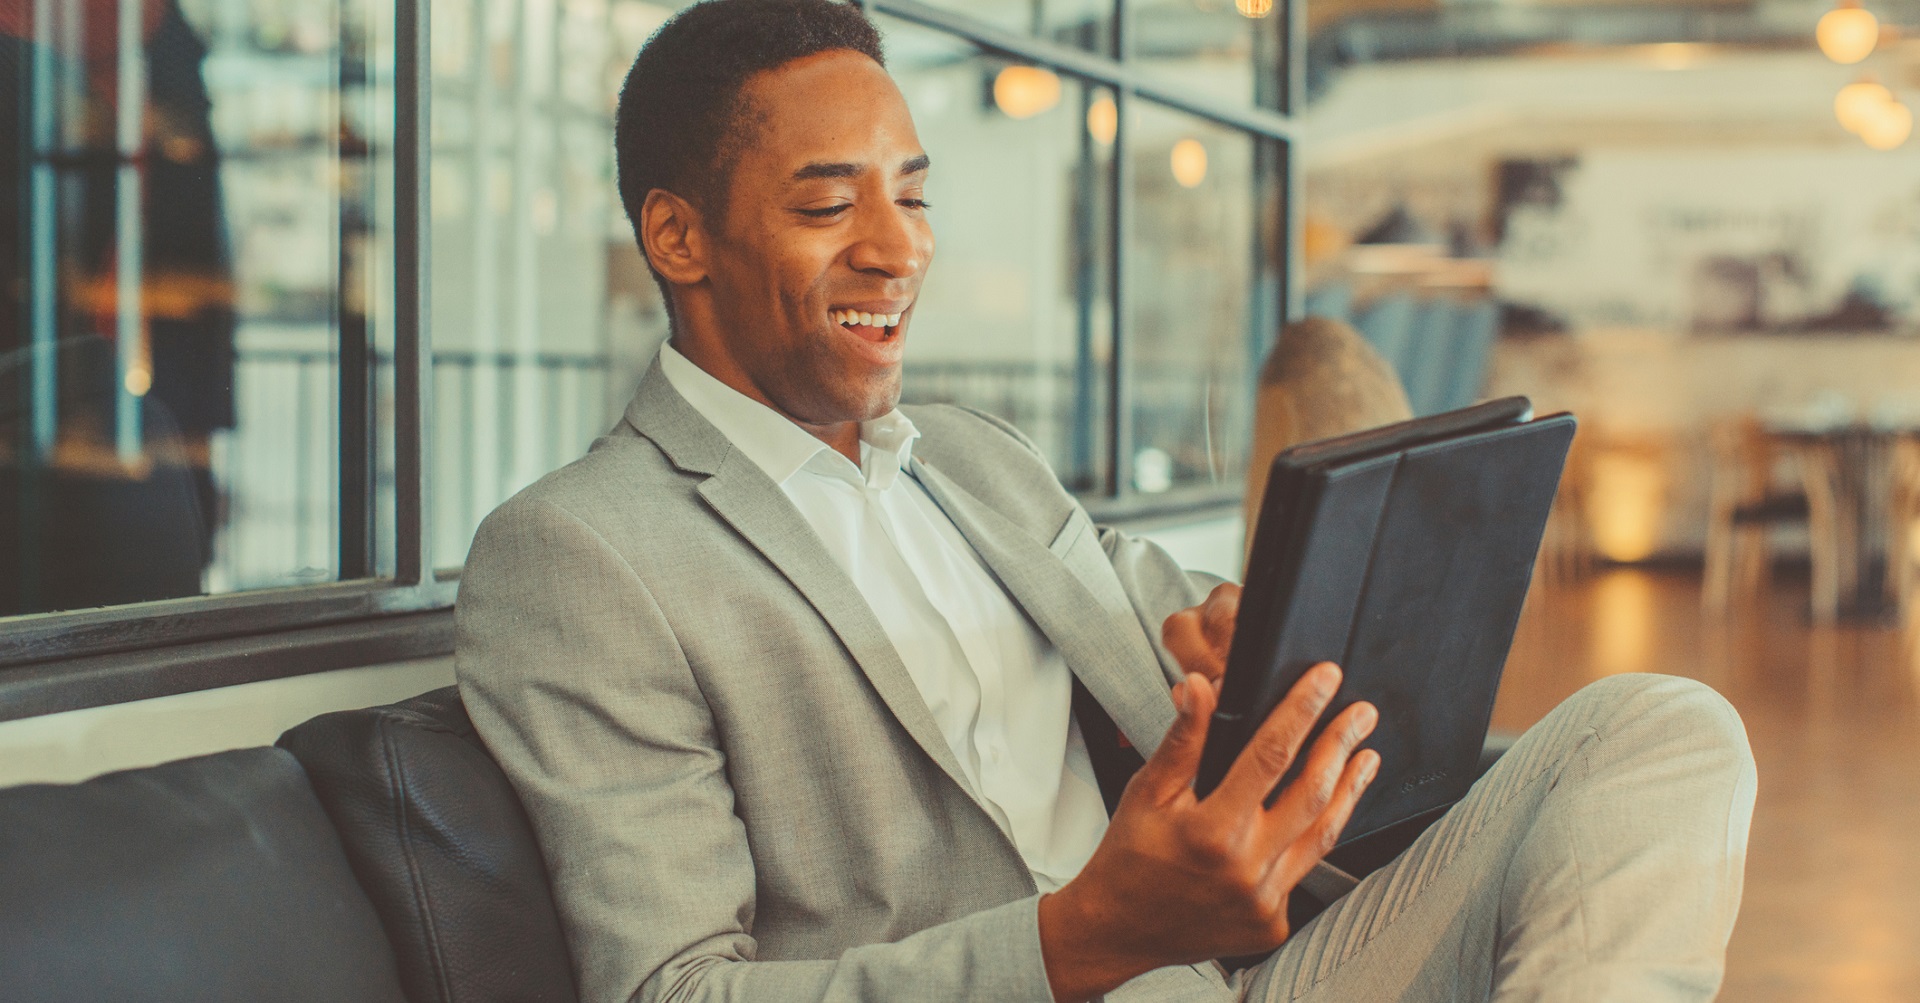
{"x": 819, "y": 113}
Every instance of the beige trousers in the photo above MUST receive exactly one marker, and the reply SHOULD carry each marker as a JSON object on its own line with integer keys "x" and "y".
{"x": 1600, "y": 859}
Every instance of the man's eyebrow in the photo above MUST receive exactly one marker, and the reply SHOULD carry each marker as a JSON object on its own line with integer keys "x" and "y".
{"x": 818, "y": 170}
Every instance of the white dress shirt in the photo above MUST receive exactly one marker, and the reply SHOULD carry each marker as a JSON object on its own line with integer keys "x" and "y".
{"x": 998, "y": 689}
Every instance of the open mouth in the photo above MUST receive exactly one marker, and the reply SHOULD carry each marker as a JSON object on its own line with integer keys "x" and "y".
{"x": 870, "y": 326}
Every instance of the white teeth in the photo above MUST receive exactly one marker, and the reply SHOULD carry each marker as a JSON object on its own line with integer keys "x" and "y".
{"x": 853, "y": 317}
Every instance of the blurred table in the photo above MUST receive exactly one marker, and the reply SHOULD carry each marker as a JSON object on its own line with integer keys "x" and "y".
{"x": 1848, "y": 473}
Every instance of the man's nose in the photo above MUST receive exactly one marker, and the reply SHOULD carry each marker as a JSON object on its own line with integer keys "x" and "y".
{"x": 892, "y": 243}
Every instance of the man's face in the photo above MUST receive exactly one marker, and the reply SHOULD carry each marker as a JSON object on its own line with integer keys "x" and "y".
{"x": 817, "y": 264}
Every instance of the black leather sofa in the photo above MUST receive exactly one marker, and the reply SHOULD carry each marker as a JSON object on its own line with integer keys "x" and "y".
{"x": 372, "y": 855}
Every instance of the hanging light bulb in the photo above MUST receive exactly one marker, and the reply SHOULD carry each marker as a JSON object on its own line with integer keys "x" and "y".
{"x": 1847, "y": 33}
{"x": 1254, "y": 8}
{"x": 1889, "y": 127}
{"x": 1189, "y": 163}
{"x": 1103, "y": 120}
{"x": 1025, "y": 91}
{"x": 1857, "y": 102}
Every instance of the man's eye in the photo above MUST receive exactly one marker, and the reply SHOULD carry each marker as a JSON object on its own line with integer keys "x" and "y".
{"x": 916, "y": 203}
{"x": 825, "y": 212}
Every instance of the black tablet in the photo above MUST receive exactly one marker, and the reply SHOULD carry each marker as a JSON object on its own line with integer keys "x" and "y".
{"x": 1403, "y": 554}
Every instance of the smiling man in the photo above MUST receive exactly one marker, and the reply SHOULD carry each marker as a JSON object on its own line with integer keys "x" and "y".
{"x": 812, "y": 697}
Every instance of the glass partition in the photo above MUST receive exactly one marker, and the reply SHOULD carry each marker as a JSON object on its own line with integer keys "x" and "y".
{"x": 1016, "y": 314}
{"x": 544, "y": 315}
{"x": 1203, "y": 287}
{"x": 196, "y": 285}
{"x": 1225, "y": 50}
{"x": 1085, "y": 24}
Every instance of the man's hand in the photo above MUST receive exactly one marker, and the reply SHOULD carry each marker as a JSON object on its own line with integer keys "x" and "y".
{"x": 1177, "y": 879}
{"x": 1199, "y": 637}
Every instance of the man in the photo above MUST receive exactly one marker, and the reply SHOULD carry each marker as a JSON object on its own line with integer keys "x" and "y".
{"x": 810, "y": 698}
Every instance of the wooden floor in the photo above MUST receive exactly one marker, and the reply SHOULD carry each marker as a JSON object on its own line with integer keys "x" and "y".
{"x": 1832, "y": 905}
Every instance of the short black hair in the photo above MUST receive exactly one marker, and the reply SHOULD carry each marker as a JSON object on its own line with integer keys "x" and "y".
{"x": 680, "y": 117}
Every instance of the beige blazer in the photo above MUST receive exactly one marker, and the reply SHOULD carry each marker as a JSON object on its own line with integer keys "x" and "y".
{"x": 738, "y": 790}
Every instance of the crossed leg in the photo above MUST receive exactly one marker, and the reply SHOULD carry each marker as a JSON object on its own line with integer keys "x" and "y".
{"x": 1600, "y": 859}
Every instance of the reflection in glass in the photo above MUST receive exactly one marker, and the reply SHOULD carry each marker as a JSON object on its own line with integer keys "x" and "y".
{"x": 195, "y": 209}
{"x": 1203, "y": 287}
{"x": 1015, "y": 316}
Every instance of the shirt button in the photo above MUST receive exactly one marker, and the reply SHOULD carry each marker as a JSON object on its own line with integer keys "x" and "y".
{"x": 994, "y": 753}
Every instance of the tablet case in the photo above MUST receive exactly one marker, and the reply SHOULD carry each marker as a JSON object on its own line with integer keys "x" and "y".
{"x": 1404, "y": 554}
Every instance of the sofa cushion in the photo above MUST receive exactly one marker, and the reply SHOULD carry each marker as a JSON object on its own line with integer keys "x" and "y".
{"x": 443, "y": 848}
{"x": 208, "y": 879}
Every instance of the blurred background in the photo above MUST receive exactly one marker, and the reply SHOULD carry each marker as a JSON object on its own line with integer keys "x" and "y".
{"x": 1696, "y": 224}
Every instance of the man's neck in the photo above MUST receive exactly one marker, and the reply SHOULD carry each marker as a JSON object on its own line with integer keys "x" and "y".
{"x": 711, "y": 356}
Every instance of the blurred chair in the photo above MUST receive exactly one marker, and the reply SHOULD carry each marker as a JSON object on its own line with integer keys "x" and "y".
{"x": 1322, "y": 379}
{"x": 1566, "y": 545}
{"x": 83, "y": 527}
{"x": 1333, "y": 301}
{"x": 1387, "y": 325}
{"x": 1423, "y": 359}
{"x": 1903, "y": 562}
{"x": 1474, "y": 329}
{"x": 1745, "y": 503}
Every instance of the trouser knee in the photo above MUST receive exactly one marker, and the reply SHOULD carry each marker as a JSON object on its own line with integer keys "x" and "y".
{"x": 1668, "y": 712}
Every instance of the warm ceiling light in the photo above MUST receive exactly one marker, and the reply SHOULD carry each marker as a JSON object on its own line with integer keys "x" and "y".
{"x": 1254, "y": 8}
{"x": 1847, "y": 34}
{"x": 1189, "y": 163}
{"x": 1103, "y": 120}
{"x": 1025, "y": 91}
{"x": 1857, "y": 102}
{"x": 1889, "y": 127}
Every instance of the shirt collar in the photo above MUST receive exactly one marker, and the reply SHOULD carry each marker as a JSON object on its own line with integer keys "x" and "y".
{"x": 781, "y": 448}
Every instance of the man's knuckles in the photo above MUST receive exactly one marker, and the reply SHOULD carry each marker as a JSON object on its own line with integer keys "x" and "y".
{"x": 1273, "y": 753}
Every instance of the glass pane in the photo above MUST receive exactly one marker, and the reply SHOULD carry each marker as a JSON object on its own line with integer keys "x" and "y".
{"x": 1015, "y": 316}
{"x": 1203, "y": 280}
{"x": 195, "y": 238}
{"x": 1084, "y": 24}
{"x": 1228, "y": 50}
{"x": 544, "y": 315}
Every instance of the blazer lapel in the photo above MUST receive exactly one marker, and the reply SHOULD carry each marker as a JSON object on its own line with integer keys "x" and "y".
{"x": 1118, "y": 667}
{"x": 746, "y": 499}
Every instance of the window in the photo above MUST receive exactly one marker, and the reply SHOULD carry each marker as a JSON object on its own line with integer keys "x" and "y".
{"x": 248, "y": 421}
{"x": 207, "y": 220}
{"x": 1016, "y": 314}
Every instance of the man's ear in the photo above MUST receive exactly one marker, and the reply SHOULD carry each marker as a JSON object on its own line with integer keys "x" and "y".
{"x": 673, "y": 235}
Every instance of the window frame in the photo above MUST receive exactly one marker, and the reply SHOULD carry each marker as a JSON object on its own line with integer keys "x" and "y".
{"x": 69, "y": 660}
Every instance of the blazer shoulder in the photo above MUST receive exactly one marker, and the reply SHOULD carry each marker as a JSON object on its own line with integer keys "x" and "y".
{"x": 943, "y": 425}
{"x": 620, "y": 488}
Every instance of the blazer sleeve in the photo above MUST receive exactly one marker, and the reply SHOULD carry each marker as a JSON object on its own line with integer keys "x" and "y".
{"x": 575, "y": 682}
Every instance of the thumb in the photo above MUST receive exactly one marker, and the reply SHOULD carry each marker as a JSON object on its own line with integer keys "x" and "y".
{"x": 1177, "y": 759}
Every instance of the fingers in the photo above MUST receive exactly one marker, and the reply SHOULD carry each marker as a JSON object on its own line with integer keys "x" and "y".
{"x": 1318, "y": 785}
{"x": 1200, "y": 637}
{"x": 1219, "y": 614}
{"x": 1272, "y": 749}
{"x": 1185, "y": 636}
{"x": 1320, "y": 835}
{"x": 1174, "y": 763}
